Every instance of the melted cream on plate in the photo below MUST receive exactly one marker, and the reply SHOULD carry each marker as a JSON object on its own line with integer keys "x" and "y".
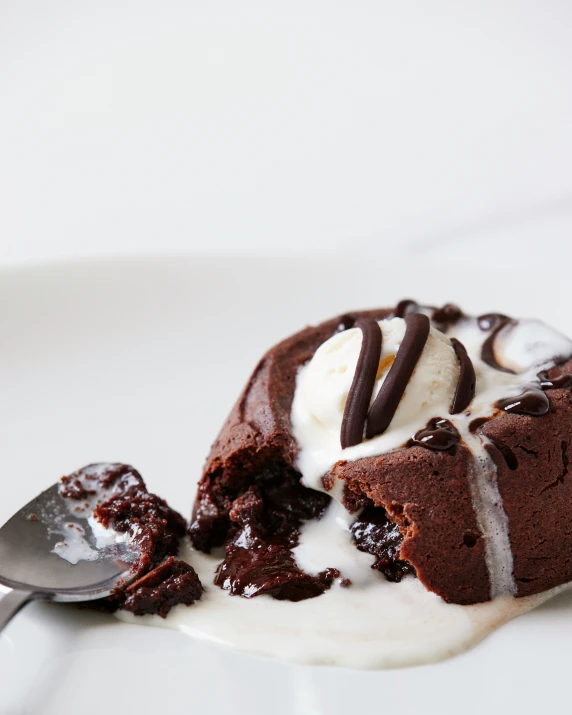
{"x": 371, "y": 624}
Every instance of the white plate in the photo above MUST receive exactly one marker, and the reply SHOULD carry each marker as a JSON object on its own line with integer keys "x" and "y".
{"x": 140, "y": 361}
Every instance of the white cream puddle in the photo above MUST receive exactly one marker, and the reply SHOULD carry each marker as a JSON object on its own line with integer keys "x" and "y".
{"x": 372, "y": 624}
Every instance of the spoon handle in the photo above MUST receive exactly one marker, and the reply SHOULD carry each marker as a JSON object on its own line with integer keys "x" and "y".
{"x": 12, "y": 603}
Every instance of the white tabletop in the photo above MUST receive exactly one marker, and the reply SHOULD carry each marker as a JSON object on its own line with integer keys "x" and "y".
{"x": 299, "y": 126}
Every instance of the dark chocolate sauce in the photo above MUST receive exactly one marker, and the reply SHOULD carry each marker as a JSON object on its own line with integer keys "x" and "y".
{"x": 375, "y": 534}
{"x": 532, "y": 402}
{"x": 406, "y": 307}
{"x": 388, "y": 398}
{"x": 478, "y": 422}
{"x": 465, "y": 390}
{"x": 264, "y": 525}
{"x": 554, "y": 383}
{"x": 494, "y": 322}
{"x": 359, "y": 396}
{"x": 445, "y": 317}
{"x": 439, "y": 435}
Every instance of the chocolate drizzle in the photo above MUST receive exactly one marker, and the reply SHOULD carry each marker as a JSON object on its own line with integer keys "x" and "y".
{"x": 359, "y": 396}
{"x": 445, "y": 317}
{"x": 554, "y": 383}
{"x": 531, "y": 402}
{"x": 406, "y": 307}
{"x": 477, "y": 423}
{"x": 494, "y": 322}
{"x": 442, "y": 318}
{"x": 465, "y": 390}
{"x": 439, "y": 435}
{"x": 387, "y": 401}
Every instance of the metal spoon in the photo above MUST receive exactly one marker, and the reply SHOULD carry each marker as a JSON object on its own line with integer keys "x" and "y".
{"x": 30, "y": 566}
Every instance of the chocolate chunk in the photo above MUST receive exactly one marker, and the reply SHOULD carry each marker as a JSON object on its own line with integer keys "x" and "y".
{"x": 172, "y": 583}
{"x": 264, "y": 528}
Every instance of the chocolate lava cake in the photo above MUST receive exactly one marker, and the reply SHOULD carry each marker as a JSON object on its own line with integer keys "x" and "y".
{"x": 473, "y": 500}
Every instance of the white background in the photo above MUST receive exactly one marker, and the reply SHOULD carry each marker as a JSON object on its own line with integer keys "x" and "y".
{"x": 423, "y": 128}
{"x": 398, "y": 132}
{"x": 139, "y": 361}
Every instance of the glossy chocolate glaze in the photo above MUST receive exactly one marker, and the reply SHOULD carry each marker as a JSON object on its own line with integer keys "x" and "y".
{"x": 531, "y": 402}
{"x": 439, "y": 434}
{"x": 554, "y": 383}
{"x": 375, "y": 534}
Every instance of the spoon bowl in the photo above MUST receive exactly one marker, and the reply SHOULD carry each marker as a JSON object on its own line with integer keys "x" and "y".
{"x": 50, "y": 550}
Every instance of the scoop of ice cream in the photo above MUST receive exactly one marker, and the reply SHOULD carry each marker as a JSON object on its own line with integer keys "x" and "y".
{"x": 325, "y": 382}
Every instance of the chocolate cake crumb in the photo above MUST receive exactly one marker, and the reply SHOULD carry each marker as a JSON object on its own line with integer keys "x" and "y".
{"x": 171, "y": 583}
{"x": 72, "y": 488}
{"x": 123, "y": 503}
{"x": 154, "y": 527}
